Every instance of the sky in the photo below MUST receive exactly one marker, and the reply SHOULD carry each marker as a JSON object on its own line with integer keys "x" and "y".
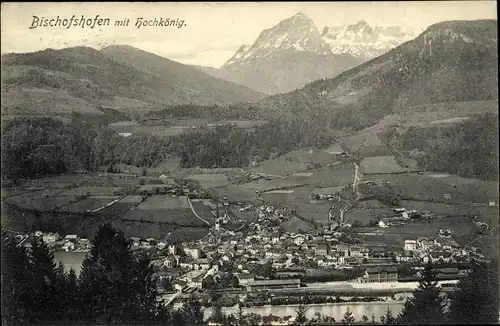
{"x": 213, "y": 31}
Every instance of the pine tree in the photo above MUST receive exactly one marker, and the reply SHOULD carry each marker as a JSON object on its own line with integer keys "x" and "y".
{"x": 348, "y": 318}
{"x": 301, "y": 317}
{"x": 47, "y": 304}
{"x": 477, "y": 299}
{"x": 16, "y": 283}
{"x": 217, "y": 314}
{"x": 72, "y": 296}
{"x": 116, "y": 287}
{"x": 426, "y": 305}
{"x": 240, "y": 318}
{"x": 192, "y": 313}
{"x": 388, "y": 318}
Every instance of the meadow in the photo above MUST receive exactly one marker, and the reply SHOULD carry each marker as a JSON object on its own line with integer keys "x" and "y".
{"x": 162, "y": 202}
{"x": 432, "y": 188}
{"x": 209, "y": 180}
{"x": 381, "y": 165}
{"x": 174, "y": 216}
{"x": 295, "y": 161}
{"x": 338, "y": 175}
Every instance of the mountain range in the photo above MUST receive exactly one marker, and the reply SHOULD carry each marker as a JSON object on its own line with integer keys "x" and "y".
{"x": 452, "y": 61}
{"x": 449, "y": 61}
{"x": 364, "y": 41}
{"x": 294, "y": 52}
{"x": 121, "y": 77}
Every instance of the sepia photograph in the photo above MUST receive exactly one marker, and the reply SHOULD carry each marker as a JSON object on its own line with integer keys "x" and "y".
{"x": 249, "y": 163}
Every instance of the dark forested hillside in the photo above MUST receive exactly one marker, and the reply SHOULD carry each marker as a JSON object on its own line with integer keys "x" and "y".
{"x": 469, "y": 149}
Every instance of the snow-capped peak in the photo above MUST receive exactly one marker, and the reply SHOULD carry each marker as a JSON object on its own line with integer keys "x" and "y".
{"x": 239, "y": 54}
{"x": 296, "y": 33}
{"x": 364, "y": 40}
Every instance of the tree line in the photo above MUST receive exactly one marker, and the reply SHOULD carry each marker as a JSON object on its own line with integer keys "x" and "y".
{"x": 38, "y": 146}
{"x": 117, "y": 286}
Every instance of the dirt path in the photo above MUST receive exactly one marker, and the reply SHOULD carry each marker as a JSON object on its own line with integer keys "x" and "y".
{"x": 196, "y": 214}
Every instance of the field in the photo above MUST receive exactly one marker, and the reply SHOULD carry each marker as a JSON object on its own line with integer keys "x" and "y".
{"x": 209, "y": 180}
{"x": 132, "y": 199}
{"x": 163, "y": 202}
{"x": 429, "y": 187}
{"x": 364, "y": 216}
{"x": 89, "y": 203}
{"x": 374, "y": 150}
{"x": 381, "y": 165}
{"x": 297, "y": 197}
{"x": 159, "y": 231}
{"x": 146, "y": 189}
{"x": 338, "y": 175}
{"x": 174, "y": 127}
{"x": 204, "y": 211}
{"x": 328, "y": 190}
{"x": 317, "y": 211}
{"x": 268, "y": 185}
{"x": 31, "y": 193}
{"x": 234, "y": 193}
{"x": 94, "y": 191}
{"x": 175, "y": 216}
{"x": 295, "y": 161}
{"x": 367, "y": 210}
{"x": 115, "y": 209}
{"x": 29, "y": 202}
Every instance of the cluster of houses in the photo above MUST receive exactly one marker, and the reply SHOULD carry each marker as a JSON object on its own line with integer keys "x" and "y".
{"x": 400, "y": 215}
{"x": 444, "y": 249}
{"x": 70, "y": 242}
{"x": 284, "y": 251}
{"x": 270, "y": 213}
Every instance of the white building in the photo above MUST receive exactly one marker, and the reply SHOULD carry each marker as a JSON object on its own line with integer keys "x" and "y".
{"x": 410, "y": 245}
{"x": 383, "y": 223}
{"x": 299, "y": 239}
{"x": 71, "y": 237}
{"x": 50, "y": 237}
{"x": 193, "y": 252}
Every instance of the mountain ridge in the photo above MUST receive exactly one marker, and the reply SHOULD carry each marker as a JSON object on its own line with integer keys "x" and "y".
{"x": 364, "y": 40}
{"x": 459, "y": 65}
{"x": 116, "y": 76}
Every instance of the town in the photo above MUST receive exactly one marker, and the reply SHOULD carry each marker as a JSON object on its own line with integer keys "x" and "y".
{"x": 263, "y": 257}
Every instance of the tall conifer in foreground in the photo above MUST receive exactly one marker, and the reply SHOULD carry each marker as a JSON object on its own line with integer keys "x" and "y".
{"x": 477, "y": 298}
{"x": 116, "y": 287}
{"x": 426, "y": 305}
